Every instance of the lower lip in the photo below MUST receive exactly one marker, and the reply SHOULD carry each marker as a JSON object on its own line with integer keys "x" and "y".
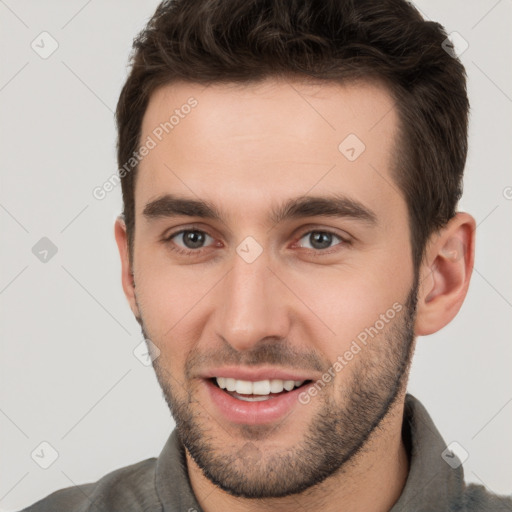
{"x": 253, "y": 413}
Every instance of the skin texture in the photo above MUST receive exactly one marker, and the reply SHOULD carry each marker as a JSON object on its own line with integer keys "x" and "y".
{"x": 247, "y": 149}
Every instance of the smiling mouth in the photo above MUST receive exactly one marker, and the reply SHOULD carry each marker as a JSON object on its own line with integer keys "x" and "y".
{"x": 258, "y": 391}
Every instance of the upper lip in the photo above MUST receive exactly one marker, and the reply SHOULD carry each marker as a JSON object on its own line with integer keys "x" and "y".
{"x": 256, "y": 374}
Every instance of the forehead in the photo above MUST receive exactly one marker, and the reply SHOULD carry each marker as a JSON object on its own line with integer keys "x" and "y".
{"x": 237, "y": 145}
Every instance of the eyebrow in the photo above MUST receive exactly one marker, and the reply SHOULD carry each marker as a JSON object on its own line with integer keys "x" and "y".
{"x": 335, "y": 205}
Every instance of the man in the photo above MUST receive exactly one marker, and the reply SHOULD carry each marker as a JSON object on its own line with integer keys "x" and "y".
{"x": 290, "y": 174}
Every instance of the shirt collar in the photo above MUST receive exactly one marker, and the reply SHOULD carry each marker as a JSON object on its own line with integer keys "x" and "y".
{"x": 172, "y": 482}
{"x": 431, "y": 483}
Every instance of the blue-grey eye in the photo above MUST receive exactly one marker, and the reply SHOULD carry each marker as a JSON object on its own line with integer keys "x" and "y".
{"x": 191, "y": 239}
{"x": 319, "y": 240}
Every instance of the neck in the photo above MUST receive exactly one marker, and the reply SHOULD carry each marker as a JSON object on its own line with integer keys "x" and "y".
{"x": 372, "y": 482}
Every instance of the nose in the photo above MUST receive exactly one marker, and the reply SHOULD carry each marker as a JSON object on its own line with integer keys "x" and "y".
{"x": 252, "y": 304}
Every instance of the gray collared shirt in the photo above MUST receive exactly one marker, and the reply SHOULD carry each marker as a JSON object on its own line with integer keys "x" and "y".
{"x": 162, "y": 485}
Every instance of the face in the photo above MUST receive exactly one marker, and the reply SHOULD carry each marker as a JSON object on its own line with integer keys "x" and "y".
{"x": 273, "y": 271}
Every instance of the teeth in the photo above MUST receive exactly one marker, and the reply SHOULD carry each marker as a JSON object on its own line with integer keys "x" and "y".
{"x": 276, "y": 386}
{"x": 289, "y": 385}
{"x": 230, "y": 384}
{"x": 243, "y": 387}
{"x": 260, "y": 387}
{"x": 253, "y": 398}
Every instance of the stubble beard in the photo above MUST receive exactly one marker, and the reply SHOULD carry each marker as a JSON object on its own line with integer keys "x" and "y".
{"x": 337, "y": 432}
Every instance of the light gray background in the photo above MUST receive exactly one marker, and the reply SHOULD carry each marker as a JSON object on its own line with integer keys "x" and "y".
{"x": 68, "y": 373}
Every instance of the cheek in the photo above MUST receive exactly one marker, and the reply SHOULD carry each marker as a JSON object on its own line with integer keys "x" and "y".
{"x": 168, "y": 296}
{"x": 344, "y": 304}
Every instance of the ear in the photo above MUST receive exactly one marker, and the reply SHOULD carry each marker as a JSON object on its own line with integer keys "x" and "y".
{"x": 445, "y": 274}
{"x": 127, "y": 276}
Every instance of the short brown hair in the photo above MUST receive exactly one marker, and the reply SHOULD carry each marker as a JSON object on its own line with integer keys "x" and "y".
{"x": 241, "y": 41}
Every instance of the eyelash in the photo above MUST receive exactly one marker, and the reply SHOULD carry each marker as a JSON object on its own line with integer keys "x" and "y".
{"x": 197, "y": 252}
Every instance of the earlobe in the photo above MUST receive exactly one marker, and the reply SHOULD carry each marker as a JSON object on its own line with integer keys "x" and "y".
{"x": 127, "y": 276}
{"x": 445, "y": 274}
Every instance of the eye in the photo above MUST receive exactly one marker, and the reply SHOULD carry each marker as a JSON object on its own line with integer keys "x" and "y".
{"x": 319, "y": 240}
{"x": 192, "y": 241}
